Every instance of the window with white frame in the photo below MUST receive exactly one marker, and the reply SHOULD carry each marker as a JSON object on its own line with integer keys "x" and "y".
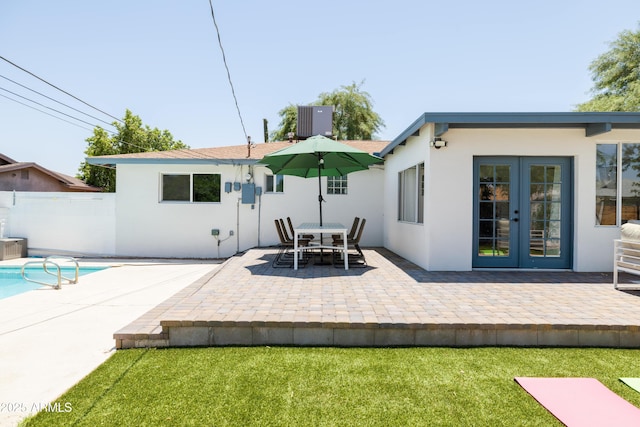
{"x": 274, "y": 184}
{"x": 411, "y": 194}
{"x": 617, "y": 183}
{"x": 337, "y": 184}
{"x": 192, "y": 188}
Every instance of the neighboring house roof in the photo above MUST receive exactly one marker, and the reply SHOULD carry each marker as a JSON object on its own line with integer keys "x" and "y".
{"x": 233, "y": 154}
{"x": 594, "y": 123}
{"x": 5, "y": 159}
{"x": 72, "y": 184}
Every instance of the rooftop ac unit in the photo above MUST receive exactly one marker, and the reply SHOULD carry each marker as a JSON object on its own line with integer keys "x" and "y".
{"x": 315, "y": 120}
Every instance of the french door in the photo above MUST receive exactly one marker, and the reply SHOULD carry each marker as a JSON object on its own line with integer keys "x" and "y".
{"x": 522, "y": 212}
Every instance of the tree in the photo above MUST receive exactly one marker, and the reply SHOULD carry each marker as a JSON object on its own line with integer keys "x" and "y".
{"x": 131, "y": 137}
{"x": 288, "y": 123}
{"x": 616, "y": 77}
{"x": 353, "y": 115}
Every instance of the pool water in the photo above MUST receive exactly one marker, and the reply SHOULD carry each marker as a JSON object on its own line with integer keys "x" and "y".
{"x": 12, "y": 283}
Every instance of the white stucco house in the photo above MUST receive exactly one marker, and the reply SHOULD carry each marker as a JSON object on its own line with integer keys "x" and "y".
{"x": 468, "y": 191}
{"x": 162, "y": 211}
{"x": 457, "y": 192}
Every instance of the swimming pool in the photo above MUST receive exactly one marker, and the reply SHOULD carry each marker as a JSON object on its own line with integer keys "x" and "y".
{"x": 12, "y": 283}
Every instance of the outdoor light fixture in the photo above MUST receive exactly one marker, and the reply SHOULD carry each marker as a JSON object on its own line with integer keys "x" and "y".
{"x": 438, "y": 143}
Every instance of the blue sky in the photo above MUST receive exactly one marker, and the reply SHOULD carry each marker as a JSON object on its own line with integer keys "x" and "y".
{"x": 161, "y": 60}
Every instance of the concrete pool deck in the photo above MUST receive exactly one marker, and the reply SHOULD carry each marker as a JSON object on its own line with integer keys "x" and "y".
{"x": 50, "y": 339}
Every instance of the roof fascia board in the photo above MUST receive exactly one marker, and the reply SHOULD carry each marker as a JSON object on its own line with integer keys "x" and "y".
{"x": 98, "y": 161}
{"x": 594, "y": 123}
{"x": 412, "y": 130}
{"x": 533, "y": 118}
{"x": 7, "y": 159}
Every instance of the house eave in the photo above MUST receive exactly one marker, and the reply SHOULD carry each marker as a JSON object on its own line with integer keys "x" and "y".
{"x": 594, "y": 123}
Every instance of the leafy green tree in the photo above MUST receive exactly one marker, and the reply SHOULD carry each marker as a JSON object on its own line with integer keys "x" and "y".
{"x": 288, "y": 123}
{"x": 616, "y": 76}
{"x": 131, "y": 136}
{"x": 353, "y": 115}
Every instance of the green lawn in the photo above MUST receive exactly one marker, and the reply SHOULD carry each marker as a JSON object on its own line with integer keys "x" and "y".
{"x": 275, "y": 386}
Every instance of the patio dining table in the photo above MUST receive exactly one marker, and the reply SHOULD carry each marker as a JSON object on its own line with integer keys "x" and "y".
{"x": 315, "y": 227}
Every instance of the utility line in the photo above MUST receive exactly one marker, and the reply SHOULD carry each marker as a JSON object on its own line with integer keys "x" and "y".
{"x": 60, "y": 118}
{"x": 55, "y": 100}
{"x": 61, "y": 90}
{"x": 163, "y": 153}
{"x": 184, "y": 152}
{"x": 224, "y": 59}
{"x": 49, "y": 108}
{"x": 44, "y": 112}
{"x": 143, "y": 149}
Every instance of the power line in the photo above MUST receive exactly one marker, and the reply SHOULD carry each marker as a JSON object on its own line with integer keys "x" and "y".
{"x": 185, "y": 153}
{"x": 61, "y": 90}
{"x": 49, "y": 108}
{"x": 224, "y": 59}
{"x": 55, "y": 100}
{"x": 44, "y": 112}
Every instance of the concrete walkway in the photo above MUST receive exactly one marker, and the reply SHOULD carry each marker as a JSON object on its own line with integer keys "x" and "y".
{"x": 50, "y": 339}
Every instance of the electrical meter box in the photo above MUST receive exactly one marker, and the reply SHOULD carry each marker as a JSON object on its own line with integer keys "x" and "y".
{"x": 248, "y": 193}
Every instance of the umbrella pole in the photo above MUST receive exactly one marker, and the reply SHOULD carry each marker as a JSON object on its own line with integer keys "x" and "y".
{"x": 320, "y": 199}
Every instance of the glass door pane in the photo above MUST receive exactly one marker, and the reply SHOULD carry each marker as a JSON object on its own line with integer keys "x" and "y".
{"x": 546, "y": 212}
{"x": 495, "y": 231}
{"x": 545, "y": 183}
{"x": 493, "y": 208}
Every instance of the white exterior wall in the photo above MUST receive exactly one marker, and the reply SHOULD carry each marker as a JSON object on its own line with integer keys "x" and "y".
{"x": 147, "y": 227}
{"x": 409, "y": 240}
{"x": 61, "y": 223}
{"x": 300, "y": 202}
{"x": 133, "y": 222}
{"x": 444, "y": 242}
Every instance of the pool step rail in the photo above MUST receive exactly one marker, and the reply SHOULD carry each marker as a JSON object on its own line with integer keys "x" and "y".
{"x": 51, "y": 266}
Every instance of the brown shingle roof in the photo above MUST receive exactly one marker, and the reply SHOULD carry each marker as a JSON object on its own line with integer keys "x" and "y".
{"x": 68, "y": 181}
{"x": 237, "y": 152}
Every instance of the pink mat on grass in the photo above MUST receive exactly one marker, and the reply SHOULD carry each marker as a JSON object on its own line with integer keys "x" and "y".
{"x": 581, "y": 401}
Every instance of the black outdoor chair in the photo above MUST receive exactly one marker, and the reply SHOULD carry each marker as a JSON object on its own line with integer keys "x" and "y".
{"x": 356, "y": 259}
{"x": 284, "y": 257}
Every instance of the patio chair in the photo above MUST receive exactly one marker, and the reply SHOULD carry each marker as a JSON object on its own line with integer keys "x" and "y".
{"x": 352, "y": 231}
{"x": 284, "y": 257}
{"x": 356, "y": 259}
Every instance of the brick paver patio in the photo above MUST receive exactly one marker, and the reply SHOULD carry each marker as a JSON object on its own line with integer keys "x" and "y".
{"x": 391, "y": 302}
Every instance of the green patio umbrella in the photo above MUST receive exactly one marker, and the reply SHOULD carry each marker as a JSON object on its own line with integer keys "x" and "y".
{"x": 319, "y": 156}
